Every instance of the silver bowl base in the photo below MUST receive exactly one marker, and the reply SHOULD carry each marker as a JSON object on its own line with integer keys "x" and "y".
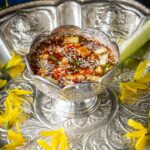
{"x": 74, "y": 116}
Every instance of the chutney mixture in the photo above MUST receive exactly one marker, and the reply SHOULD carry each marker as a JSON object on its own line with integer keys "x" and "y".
{"x": 71, "y": 59}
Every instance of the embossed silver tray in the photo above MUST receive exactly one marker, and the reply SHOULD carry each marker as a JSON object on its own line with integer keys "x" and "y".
{"x": 104, "y": 128}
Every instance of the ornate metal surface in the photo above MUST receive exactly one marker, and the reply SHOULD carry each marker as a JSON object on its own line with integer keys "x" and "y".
{"x": 104, "y": 128}
{"x": 49, "y": 115}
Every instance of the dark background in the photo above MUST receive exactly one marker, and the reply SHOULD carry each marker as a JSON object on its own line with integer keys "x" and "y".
{"x": 14, "y": 2}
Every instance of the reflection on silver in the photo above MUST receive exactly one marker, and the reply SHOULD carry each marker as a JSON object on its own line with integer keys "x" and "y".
{"x": 118, "y": 21}
{"x": 19, "y": 30}
{"x": 5, "y": 55}
{"x": 49, "y": 112}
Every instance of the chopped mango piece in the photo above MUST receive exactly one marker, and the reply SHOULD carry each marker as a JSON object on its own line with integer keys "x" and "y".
{"x": 75, "y": 77}
{"x": 93, "y": 78}
{"x": 83, "y": 51}
{"x": 99, "y": 70}
{"x": 73, "y": 39}
{"x": 101, "y": 50}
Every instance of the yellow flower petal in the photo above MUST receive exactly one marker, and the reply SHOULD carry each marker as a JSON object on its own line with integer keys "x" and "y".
{"x": 16, "y": 138}
{"x": 11, "y": 115}
{"x": 15, "y": 60}
{"x": 140, "y": 144}
{"x": 8, "y": 108}
{"x": 10, "y": 146}
{"x": 127, "y": 96}
{"x": 18, "y": 128}
{"x": 55, "y": 142}
{"x": 134, "y": 86}
{"x": 58, "y": 139}
{"x": 64, "y": 143}
{"x": 16, "y": 70}
{"x": 2, "y": 83}
{"x": 145, "y": 79}
{"x": 17, "y": 91}
{"x": 14, "y": 96}
{"x": 140, "y": 70}
{"x": 135, "y": 134}
{"x": 15, "y": 114}
{"x": 14, "y": 99}
{"x": 135, "y": 125}
{"x": 48, "y": 133}
{"x": 44, "y": 145}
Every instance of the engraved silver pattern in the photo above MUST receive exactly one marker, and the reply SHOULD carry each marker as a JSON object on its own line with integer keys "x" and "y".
{"x": 119, "y": 19}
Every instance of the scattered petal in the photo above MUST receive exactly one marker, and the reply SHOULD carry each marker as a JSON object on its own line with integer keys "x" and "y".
{"x": 134, "y": 86}
{"x": 44, "y": 145}
{"x": 141, "y": 135}
{"x": 145, "y": 79}
{"x": 58, "y": 140}
{"x": 135, "y": 134}
{"x": 19, "y": 92}
{"x": 15, "y": 60}
{"x": 140, "y": 70}
{"x": 16, "y": 70}
{"x": 140, "y": 144}
{"x": 10, "y": 146}
{"x": 16, "y": 139}
{"x": 2, "y": 83}
{"x": 135, "y": 125}
{"x": 14, "y": 99}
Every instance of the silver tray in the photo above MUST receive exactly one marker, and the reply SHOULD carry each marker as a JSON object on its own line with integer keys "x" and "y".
{"x": 103, "y": 129}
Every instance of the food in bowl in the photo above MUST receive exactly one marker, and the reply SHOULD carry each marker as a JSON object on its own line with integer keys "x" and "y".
{"x": 70, "y": 59}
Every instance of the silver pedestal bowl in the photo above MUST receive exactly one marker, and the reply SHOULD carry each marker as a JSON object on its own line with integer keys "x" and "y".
{"x": 80, "y": 99}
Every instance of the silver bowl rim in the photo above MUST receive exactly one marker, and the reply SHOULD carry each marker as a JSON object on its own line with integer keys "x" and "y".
{"x": 54, "y": 3}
